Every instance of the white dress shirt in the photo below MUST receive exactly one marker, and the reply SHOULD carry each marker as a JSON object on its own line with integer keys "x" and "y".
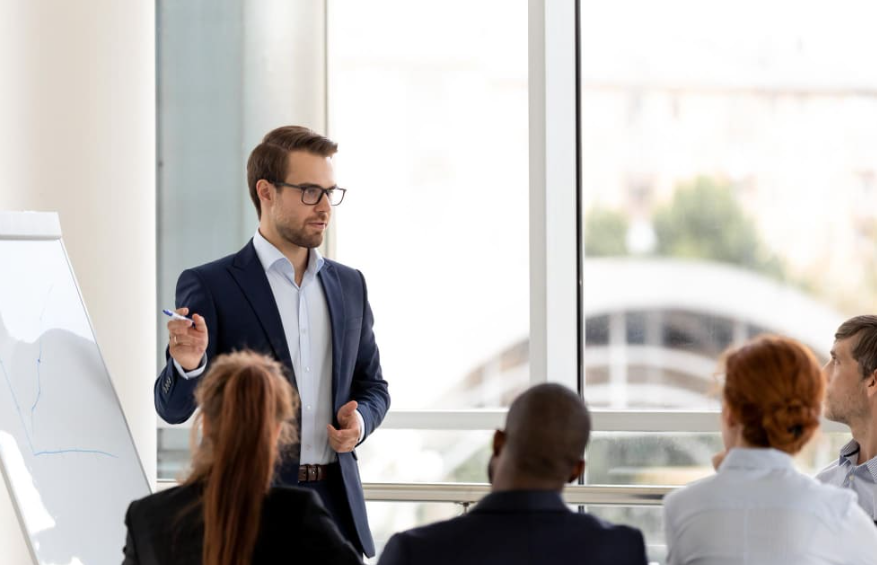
{"x": 759, "y": 510}
{"x": 847, "y": 473}
{"x": 305, "y": 318}
{"x": 308, "y": 329}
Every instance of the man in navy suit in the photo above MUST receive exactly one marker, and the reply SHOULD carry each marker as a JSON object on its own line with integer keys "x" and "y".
{"x": 279, "y": 296}
{"x": 524, "y": 520}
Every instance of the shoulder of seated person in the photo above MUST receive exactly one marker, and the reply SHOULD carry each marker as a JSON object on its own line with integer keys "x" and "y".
{"x": 606, "y": 526}
{"x": 169, "y": 495}
{"x": 836, "y": 501}
{"x": 158, "y": 505}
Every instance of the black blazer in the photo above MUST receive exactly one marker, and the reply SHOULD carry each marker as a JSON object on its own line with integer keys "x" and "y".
{"x": 518, "y": 528}
{"x": 295, "y": 528}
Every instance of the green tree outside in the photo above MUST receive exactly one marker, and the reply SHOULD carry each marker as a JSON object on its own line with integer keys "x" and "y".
{"x": 705, "y": 221}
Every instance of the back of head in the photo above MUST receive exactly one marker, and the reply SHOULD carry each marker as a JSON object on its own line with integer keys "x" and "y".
{"x": 774, "y": 388}
{"x": 269, "y": 159}
{"x": 547, "y": 430}
{"x": 864, "y": 328}
{"x": 246, "y": 408}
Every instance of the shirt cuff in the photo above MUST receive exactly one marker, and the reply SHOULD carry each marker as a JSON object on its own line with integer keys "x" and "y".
{"x": 361, "y": 427}
{"x": 194, "y": 372}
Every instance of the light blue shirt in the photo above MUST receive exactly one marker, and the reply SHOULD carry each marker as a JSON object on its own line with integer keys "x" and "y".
{"x": 847, "y": 473}
{"x": 759, "y": 510}
{"x": 304, "y": 314}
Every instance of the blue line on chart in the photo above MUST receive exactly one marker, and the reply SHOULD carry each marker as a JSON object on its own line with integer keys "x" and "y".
{"x": 40, "y": 360}
{"x": 33, "y": 451}
{"x": 63, "y": 451}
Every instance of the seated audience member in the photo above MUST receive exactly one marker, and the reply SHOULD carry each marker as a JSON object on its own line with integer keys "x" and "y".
{"x": 525, "y": 520}
{"x": 758, "y": 509}
{"x": 852, "y": 400}
{"x": 227, "y": 512}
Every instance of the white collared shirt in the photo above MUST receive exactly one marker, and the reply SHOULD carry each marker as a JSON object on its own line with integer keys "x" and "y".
{"x": 847, "y": 473}
{"x": 759, "y": 510}
{"x": 305, "y": 318}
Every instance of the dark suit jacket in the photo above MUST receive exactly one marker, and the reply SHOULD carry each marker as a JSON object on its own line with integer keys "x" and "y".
{"x": 518, "y": 528}
{"x": 167, "y": 528}
{"x": 235, "y": 298}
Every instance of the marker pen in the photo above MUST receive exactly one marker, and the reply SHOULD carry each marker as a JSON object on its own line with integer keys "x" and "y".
{"x": 175, "y": 316}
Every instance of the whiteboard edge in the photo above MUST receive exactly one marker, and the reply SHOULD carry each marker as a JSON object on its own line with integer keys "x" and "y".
{"x": 29, "y": 225}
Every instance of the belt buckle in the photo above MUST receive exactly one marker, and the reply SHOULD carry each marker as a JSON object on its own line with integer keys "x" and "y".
{"x": 312, "y": 472}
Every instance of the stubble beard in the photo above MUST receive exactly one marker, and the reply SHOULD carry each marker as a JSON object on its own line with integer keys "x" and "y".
{"x": 832, "y": 413}
{"x": 300, "y": 238}
{"x": 844, "y": 410}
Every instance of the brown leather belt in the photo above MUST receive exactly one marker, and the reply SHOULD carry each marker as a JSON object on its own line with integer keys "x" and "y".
{"x": 312, "y": 473}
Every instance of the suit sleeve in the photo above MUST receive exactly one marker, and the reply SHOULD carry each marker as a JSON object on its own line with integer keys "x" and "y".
{"x": 369, "y": 388}
{"x": 174, "y": 394}
{"x": 394, "y": 552}
{"x": 130, "y": 549}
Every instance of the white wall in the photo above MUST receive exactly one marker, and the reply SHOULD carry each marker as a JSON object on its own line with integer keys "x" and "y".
{"x": 77, "y": 136}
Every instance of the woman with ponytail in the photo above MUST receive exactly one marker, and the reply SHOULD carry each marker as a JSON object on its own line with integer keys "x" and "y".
{"x": 226, "y": 512}
{"x": 758, "y": 509}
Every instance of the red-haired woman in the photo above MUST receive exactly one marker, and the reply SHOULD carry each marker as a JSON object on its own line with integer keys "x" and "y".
{"x": 758, "y": 509}
{"x": 227, "y": 512}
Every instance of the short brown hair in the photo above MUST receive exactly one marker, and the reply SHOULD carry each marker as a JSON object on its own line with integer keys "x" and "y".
{"x": 269, "y": 159}
{"x": 865, "y": 351}
{"x": 774, "y": 388}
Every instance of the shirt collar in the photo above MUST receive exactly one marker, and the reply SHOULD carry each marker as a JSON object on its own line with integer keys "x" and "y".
{"x": 270, "y": 255}
{"x": 756, "y": 458}
{"x": 849, "y": 456}
{"x": 848, "y": 450}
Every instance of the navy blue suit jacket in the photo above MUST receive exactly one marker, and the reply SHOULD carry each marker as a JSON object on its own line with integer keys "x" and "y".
{"x": 235, "y": 299}
{"x": 518, "y": 528}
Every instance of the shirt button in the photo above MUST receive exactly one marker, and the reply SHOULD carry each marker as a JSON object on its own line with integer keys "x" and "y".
{"x": 308, "y": 446}
{"x": 307, "y": 369}
{"x": 309, "y": 406}
{"x": 304, "y": 331}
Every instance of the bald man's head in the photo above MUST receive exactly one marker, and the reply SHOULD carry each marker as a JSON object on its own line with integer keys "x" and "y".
{"x": 547, "y": 430}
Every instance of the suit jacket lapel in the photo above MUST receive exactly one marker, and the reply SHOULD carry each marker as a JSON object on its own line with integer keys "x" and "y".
{"x": 335, "y": 302}
{"x": 248, "y": 272}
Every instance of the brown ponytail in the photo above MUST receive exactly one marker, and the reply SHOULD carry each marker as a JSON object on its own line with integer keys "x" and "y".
{"x": 243, "y": 399}
{"x": 774, "y": 388}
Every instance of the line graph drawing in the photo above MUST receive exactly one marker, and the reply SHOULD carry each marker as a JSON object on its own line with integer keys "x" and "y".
{"x": 30, "y": 434}
{"x": 27, "y": 434}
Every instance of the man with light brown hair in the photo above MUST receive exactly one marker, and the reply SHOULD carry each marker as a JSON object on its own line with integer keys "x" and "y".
{"x": 851, "y": 399}
{"x": 280, "y": 297}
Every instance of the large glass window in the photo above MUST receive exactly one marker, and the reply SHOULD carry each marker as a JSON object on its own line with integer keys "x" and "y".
{"x": 728, "y": 166}
{"x": 432, "y": 122}
{"x": 728, "y": 157}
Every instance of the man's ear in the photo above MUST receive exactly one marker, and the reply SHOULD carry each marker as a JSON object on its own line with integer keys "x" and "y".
{"x": 577, "y": 471}
{"x": 265, "y": 190}
{"x": 498, "y": 442}
{"x": 871, "y": 384}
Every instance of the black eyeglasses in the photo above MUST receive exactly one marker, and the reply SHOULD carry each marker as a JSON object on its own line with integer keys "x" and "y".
{"x": 311, "y": 193}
